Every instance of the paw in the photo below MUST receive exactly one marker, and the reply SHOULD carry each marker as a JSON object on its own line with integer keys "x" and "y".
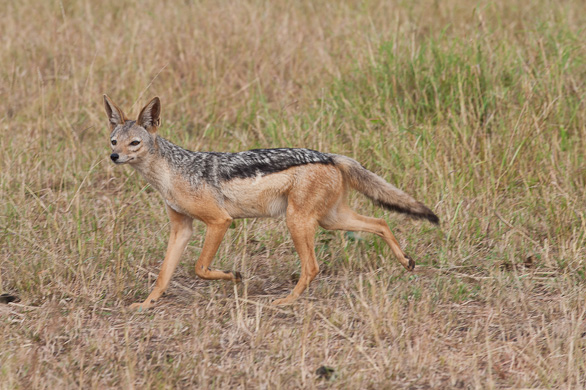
{"x": 144, "y": 306}
{"x": 236, "y": 276}
{"x": 410, "y": 265}
{"x": 284, "y": 301}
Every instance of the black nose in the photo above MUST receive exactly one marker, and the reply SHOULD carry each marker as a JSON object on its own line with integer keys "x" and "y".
{"x": 114, "y": 156}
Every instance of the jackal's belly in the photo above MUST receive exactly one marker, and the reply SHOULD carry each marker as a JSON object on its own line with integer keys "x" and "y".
{"x": 249, "y": 208}
{"x": 261, "y": 196}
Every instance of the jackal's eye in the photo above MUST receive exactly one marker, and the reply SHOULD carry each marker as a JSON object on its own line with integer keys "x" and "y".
{"x": 134, "y": 143}
{"x": 113, "y": 142}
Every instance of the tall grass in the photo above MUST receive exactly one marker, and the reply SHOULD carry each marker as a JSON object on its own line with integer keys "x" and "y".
{"x": 475, "y": 108}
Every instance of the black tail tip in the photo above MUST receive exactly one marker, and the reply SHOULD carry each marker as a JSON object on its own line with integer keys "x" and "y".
{"x": 426, "y": 213}
{"x": 421, "y": 212}
{"x": 431, "y": 217}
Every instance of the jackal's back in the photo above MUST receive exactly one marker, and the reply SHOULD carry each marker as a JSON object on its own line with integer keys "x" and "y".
{"x": 216, "y": 167}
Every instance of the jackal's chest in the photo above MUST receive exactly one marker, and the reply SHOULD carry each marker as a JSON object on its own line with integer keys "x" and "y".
{"x": 183, "y": 199}
{"x": 175, "y": 197}
{"x": 197, "y": 202}
{"x": 176, "y": 190}
{"x": 175, "y": 206}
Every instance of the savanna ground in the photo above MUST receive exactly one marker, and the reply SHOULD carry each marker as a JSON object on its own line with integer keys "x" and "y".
{"x": 474, "y": 107}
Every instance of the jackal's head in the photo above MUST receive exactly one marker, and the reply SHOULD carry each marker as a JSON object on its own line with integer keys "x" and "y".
{"x": 131, "y": 141}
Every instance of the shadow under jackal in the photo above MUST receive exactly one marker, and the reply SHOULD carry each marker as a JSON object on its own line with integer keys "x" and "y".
{"x": 308, "y": 187}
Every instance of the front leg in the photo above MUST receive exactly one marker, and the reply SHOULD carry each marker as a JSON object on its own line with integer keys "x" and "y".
{"x": 214, "y": 234}
{"x": 181, "y": 229}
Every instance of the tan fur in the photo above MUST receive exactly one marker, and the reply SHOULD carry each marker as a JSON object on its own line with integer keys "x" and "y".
{"x": 308, "y": 195}
{"x": 383, "y": 193}
{"x": 262, "y": 196}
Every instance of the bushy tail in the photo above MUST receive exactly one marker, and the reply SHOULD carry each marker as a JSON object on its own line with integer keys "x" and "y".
{"x": 381, "y": 192}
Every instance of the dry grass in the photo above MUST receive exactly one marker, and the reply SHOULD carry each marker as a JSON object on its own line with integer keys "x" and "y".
{"x": 476, "y": 108}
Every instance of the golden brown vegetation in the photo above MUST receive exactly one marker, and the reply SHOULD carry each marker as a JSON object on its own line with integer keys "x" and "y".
{"x": 475, "y": 108}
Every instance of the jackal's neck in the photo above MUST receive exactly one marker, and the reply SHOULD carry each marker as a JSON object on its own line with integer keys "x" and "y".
{"x": 155, "y": 168}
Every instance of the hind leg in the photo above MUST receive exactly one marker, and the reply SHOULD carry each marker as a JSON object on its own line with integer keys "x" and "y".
{"x": 302, "y": 231}
{"x": 317, "y": 190}
{"x": 345, "y": 219}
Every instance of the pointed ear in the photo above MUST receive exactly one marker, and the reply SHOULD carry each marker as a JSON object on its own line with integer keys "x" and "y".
{"x": 149, "y": 116}
{"x": 115, "y": 114}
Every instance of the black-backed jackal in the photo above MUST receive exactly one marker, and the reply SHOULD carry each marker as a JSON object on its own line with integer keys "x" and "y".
{"x": 308, "y": 187}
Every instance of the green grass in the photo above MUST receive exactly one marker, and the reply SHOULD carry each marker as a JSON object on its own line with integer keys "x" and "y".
{"x": 474, "y": 108}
